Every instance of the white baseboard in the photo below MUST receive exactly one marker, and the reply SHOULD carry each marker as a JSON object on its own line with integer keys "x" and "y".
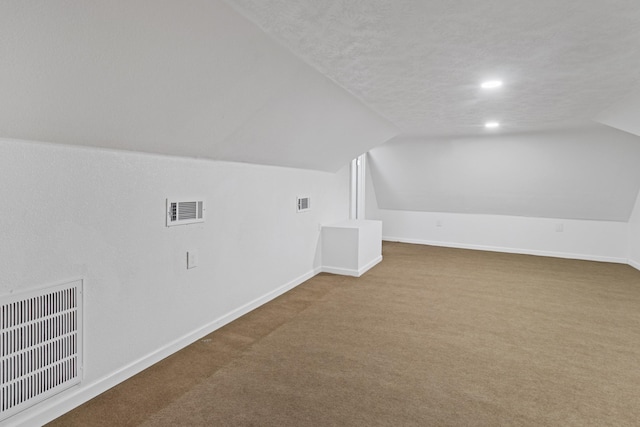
{"x": 74, "y": 397}
{"x": 634, "y": 264}
{"x": 568, "y": 255}
{"x": 352, "y": 272}
{"x": 369, "y": 265}
{"x": 341, "y": 271}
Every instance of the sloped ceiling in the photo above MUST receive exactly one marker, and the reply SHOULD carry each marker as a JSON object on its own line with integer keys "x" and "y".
{"x": 312, "y": 84}
{"x": 564, "y": 64}
{"x": 180, "y": 78}
{"x": 419, "y": 63}
{"x": 588, "y": 173}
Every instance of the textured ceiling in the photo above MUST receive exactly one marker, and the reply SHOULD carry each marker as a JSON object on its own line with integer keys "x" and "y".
{"x": 419, "y": 63}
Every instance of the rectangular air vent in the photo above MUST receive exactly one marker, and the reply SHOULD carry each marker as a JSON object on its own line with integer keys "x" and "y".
{"x": 40, "y": 345}
{"x": 182, "y": 212}
{"x": 303, "y": 203}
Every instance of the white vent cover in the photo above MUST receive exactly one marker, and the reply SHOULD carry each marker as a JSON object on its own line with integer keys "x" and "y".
{"x": 40, "y": 345}
{"x": 182, "y": 212}
{"x": 303, "y": 204}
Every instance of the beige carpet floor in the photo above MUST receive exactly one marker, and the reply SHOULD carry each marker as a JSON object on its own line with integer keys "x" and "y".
{"x": 430, "y": 337}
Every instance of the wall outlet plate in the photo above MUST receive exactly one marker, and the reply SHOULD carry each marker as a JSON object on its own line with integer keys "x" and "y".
{"x": 192, "y": 259}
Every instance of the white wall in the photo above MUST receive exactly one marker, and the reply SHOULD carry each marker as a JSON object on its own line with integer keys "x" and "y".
{"x": 579, "y": 239}
{"x": 99, "y": 214}
{"x": 623, "y": 114}
{"x": 634, "y": 235}
{"x": 592, "y": 240}
{"x": 589, "y": 173}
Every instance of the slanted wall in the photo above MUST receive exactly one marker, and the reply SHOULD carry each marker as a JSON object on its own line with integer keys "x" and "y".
{"x": 193, "y": 79}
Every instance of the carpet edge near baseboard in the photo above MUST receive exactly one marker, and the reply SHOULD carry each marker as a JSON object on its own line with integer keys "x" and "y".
{"x": 522, "y": 251}
{"x": 66, "y": 401}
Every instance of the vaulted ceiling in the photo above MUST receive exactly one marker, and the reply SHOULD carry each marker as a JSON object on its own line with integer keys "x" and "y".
{"x": 198, "y": 79}
{"x": 312, "y": 84}
{"x": 565, "y": 67}
{"x": 420, "y": 63}
{"x": 189, "y": 78}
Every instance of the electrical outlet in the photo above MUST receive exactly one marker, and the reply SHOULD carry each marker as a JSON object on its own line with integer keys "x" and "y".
{"x": 559, "y": 227}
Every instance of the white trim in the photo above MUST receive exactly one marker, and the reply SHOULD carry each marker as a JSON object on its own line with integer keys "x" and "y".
{"x": 341, "y": 271}
{"x": 74, "y": 397}
{"x": 357, "y": 187}
{"x": 21, "y": 292}
{"x": 353, "y": 189}
{"x": 568, "y": 255}
{"x": 361, "y": 162}
{"x": 351, "y": 272}
{"x": 634, "y": 264}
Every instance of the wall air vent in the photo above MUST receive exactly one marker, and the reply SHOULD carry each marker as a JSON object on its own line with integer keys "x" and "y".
{"x": 182, "y": 212}
{"x": 40, "y": 345}
{"x": 304, "y": 204}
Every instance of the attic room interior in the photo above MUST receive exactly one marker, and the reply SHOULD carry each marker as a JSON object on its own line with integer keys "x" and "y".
{"x": 395, "y": 212}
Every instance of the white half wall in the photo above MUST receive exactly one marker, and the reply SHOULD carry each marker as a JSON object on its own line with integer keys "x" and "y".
{"x": 351, "y": 247}
{"x": 85, "y": 212}
{"x": 578, "y": 239}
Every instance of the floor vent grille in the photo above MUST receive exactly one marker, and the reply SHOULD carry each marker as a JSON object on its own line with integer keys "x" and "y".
{"x": 40, "y": 345}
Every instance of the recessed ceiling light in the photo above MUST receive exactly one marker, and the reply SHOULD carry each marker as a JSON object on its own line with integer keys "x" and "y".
{"x": 491, "y": 125}
{"x": 491, "y": 84}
